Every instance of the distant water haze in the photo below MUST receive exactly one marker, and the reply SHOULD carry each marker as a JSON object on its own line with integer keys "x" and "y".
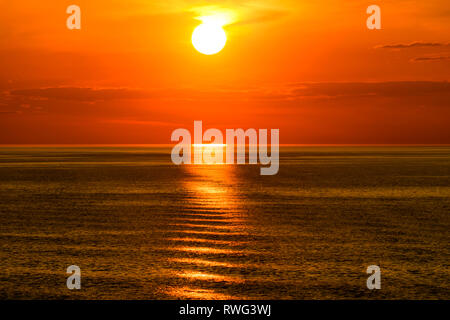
{"x": 140, "y": 227}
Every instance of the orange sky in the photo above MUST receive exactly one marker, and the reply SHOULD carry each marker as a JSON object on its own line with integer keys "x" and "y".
{"x": 310, "y": 68}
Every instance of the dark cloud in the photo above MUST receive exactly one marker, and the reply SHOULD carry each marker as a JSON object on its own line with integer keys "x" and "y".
{"x": 81, "y": 94}
{"x": 431, "y": 58}
{"x": 416, "y": 44}
{"x": 8, "y": 112}
{"x": 349, "y": 112}
{"x": 288, "y": 92}
{"x": 385, "y": 89}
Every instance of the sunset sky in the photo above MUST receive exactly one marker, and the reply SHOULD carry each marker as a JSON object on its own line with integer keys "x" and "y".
{"x": 310, "y": 68}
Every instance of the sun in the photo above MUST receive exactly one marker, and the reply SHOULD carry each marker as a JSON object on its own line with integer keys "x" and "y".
{"x": 209, "y": 38}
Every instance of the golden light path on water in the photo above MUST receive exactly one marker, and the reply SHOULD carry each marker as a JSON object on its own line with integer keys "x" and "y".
{"x": 209, "y": 235}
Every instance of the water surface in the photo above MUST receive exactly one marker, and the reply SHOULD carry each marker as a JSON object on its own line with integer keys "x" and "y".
{"x": 140, "y": 227}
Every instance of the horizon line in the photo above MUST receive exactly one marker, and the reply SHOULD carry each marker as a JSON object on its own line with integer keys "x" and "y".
{"x": 130, "y": 145}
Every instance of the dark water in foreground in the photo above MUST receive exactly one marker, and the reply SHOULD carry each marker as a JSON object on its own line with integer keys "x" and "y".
{"x": 142, "y": 228}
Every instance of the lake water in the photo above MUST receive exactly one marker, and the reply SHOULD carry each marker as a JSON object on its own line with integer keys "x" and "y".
{"x": 140, "y": 227}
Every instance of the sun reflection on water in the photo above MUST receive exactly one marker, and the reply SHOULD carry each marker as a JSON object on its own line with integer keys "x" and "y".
{"x": 193, "y": 275}
{"x": 197, "y": 293}
{"x": 211, "y": 233}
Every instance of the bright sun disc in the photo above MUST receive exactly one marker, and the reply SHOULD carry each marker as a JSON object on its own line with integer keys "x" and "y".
{"x": 209, "y": 38}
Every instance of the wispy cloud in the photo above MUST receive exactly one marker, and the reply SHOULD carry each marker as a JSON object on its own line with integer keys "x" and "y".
{"x": 259, "y": 16}
{"x": 142, "y": 122}
{"x": 292, "y": 91}
{"x": 82, "y": 94}
{"x": 440, "y": 57}
{"x": 8, "y": 112}
{"x": 382, "y": 89}
{"x": 415, "y": 44}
